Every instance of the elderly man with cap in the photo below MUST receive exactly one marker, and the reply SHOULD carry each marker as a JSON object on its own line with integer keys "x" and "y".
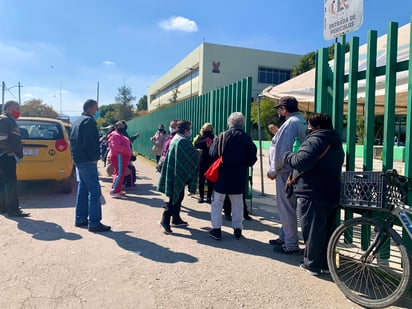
{"x": 294, "y": 126}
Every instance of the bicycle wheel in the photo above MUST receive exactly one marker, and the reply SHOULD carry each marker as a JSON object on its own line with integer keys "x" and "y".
{"x": 376, "y": 279}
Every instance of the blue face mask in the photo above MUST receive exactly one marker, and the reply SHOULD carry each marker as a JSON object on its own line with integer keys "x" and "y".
{"x": 189, "y": 135}
{"x": 96, "y": 115}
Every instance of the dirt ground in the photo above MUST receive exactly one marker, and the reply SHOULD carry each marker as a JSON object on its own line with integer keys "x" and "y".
{"x": 46, "y": 262}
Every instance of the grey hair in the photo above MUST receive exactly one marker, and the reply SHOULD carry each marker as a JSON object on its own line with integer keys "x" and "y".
{"x": 236, "y": 120}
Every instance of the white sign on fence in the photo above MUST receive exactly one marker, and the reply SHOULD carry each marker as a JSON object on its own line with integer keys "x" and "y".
{"x": 342, "y": 16}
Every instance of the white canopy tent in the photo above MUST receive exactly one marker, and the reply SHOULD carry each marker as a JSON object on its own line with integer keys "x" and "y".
{"x": 303, "y": 86}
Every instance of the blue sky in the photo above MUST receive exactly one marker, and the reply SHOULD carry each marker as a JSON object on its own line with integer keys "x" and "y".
{"x": 67, "y": 46}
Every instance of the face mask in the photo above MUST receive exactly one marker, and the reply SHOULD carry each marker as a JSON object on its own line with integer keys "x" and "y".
{"x": 15, "y": 114}
{"x": 96, "y": 115}
{"x": 282, "y": 118}
{"x": 121, "y": 130}
{"x": 171, "y": 130}
{"x": 188, "y": 135}
{"x": 207, "y": 132}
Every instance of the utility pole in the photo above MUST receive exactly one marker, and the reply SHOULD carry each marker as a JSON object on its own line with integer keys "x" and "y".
{"x": 98, "y": 90}
{"x": 3, "y": 87}
{"x": 19, "y": 93}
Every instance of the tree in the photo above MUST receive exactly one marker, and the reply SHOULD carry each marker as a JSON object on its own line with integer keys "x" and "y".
{"x": 268, "y": 115}
{"x": 123, "y": 108}
{"x": 308, "y": 61}
{"x": 142, "y": 105}
{"x": 36, "y": 108}
{"x": 125, "y": 96}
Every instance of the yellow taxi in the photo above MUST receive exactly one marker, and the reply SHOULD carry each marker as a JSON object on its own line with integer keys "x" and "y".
{"x": 46, "y": 150}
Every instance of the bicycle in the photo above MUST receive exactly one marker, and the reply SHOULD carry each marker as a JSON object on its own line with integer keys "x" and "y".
{"x": 366, "y": 257}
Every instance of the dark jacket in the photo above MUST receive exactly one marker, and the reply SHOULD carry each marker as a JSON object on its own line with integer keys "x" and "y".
{"x": 84, "y": 140}
{"x": 205, "y": 158}
{"x": 10, "y": 139}
{"x": 321, "y": 177}
{"x": 239, "y": 153}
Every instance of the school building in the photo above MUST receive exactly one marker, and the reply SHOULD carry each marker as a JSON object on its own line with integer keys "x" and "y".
{"x": 212, "y": 66}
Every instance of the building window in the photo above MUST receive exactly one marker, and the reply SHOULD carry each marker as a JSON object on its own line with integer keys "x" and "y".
{"x": 273, "y": 76}
{"x": 185, "y": 79}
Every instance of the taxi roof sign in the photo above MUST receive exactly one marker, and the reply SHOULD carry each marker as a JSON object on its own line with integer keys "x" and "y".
{"x": 342, "y": 16}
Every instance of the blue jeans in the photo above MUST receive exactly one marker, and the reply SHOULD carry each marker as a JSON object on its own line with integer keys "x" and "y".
{"x": 88, "y": 205}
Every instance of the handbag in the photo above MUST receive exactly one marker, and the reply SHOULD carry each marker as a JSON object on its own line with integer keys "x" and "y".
{"x": 212, "y": 173}
{"x": 290, "y": 182}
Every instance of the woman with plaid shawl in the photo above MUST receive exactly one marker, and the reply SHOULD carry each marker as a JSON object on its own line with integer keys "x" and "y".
{"x": 180, "y": 169}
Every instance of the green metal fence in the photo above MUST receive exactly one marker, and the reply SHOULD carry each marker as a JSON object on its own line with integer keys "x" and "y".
{"x": 329, "y": 98}
{"x": 213, "y": 107}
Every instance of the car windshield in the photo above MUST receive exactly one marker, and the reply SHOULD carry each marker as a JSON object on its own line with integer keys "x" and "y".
{"x": 40, "y": 130}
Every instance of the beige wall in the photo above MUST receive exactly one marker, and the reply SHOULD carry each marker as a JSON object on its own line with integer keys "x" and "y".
{"x": 235, "y": 63}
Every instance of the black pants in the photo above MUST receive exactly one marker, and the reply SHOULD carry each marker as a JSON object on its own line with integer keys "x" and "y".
{"x": 202, "y": 181}
{"x": 173, "y": 210}
{"x": 227, "y": 206}
{"x": 317, "y": 221}
{"x": 8, "y": 184}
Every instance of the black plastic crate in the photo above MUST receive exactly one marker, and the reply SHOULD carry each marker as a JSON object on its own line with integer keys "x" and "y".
{"x": 368, "y": 189}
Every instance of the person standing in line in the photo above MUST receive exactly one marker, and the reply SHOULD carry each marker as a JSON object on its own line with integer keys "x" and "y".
{"x": 120, "y": 154}
{"x": 84, "y": 144}
{"x": 317, "y": 189}
{"x": 180, "y": 169}
{"x": 203, "y": 143}
{"x": 293, "y": 127}
{"x": 158, "y": 140}
{"x": 172, "y": 133}
{"x": 239, "y": 153}
{"x": 11, "y": 152}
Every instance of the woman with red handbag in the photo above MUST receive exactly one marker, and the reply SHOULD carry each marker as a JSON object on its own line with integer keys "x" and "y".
{"x": 238, "y": 154}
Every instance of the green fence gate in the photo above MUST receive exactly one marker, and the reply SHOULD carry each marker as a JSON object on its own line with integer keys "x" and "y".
{"x": 330, "y": 96}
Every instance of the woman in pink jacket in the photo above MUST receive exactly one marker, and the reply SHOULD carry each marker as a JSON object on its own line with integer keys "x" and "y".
{"x": 120, "y": 154}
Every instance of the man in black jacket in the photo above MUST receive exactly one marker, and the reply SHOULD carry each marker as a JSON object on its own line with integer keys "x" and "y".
{"x": 84, "y": 143}
{"x": 239, "y": 153}
{"x": 11, "y": 151}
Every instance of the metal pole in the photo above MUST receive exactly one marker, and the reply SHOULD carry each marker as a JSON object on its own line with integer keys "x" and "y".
{"x": 19, "y": 94}
{"x": 3, "y": 86}
{"x": 98, "y": 89}
{"x": 260, "y": 146}
{"x": 191, "y": 75}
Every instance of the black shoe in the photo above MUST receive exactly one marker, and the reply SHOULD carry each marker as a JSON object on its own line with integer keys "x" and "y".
{"x": 238, "y": 233}
{"x": 209, "y": 200}
{"x": 18, "y": 213}
{"x": 201, "y": 200}
{"x": 216, "y": 234}
{"x": 247, "y": 217}
{"x": 166, "y": 228}
{"x": 276, "y": 242}
{"x": 285, "y": 250}
{"x": 81, "y": 224}
{"x": 228, "y": 217}
{"x": 179, "y": 222}
{"x": 100, "y": 228}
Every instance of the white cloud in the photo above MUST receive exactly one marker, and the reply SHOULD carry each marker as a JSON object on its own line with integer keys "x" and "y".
{"x": 108, "y": 62}
{"x": 179, "y": 23}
